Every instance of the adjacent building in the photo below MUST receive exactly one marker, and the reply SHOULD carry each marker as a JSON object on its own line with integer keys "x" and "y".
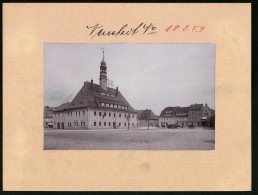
{"x": 195, "y": 114}
{"x": 146, "y": 118}
{"x": 168, "y": 116}
{"x": 96, "y": 106}
{"x": 48, "y": 117}
{"x": 181, "y": 116}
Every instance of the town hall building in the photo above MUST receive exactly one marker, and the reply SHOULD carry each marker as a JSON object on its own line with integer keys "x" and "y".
{"x": 96, "y": 106}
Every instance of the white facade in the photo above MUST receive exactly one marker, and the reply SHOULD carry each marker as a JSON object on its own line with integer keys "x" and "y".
{"x": 94, "y": 119}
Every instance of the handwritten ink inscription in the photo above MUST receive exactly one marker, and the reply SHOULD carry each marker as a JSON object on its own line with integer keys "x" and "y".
{"x": 125, "y": 30}
{"x": 143, "y": 29}
{"x": 191, "y": 28}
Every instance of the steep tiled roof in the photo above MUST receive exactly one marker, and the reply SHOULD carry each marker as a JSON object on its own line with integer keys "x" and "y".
{"x": 91, "y": 94}
{"x": 182, "y": 111}
{"x": 146, "y": 115}
{"x": 169, "y": 111}
{"x": 174, "y": 111}
{"x": 196, "y": 107}
{"x": 62, "y": 107}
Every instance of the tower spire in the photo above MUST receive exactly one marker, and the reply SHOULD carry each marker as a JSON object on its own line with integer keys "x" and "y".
{"x": 103, "y": 73}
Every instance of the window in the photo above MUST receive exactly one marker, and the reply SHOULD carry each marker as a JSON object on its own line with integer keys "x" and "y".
{"x": 125, "y": 124}
{"x": 99, "y": 113}
{"x": 95, "y": 123}
{"x": 125, "y": 115}
{"x": 104, "y": 123}
{"x": 119, "y": 124}
{"x": 114, "y": 114}
{"x": 104, "y": 114}
{"x": 109, "y": 114}
{"x": 83, "y": 113}
{"x": 99, "y": 123}
{"x": 95, "y": 113}
{"x": 133, "y": 116}
{"x": 133, "y": 124}
{"x": 119, "y": 115}
{"x": 109, "y": 124}
{"x": 79, "y": 113}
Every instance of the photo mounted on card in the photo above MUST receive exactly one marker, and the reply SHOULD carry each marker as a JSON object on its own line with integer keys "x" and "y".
{"x": 127, "y": 97}
{"x": 143, "y": 97}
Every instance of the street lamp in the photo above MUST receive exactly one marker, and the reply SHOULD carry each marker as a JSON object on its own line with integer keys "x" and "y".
{"x": 128, "y": 119}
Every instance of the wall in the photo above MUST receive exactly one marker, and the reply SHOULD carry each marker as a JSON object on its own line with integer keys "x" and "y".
{"x": 110, "y": 119}
{"x": 63, "y": 117}
{"x": 168, "y": 120}
{"x": 144, "y": 123}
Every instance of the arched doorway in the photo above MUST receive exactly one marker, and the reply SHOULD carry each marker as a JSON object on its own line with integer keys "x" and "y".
{"x": 58, "y": 125}
{"x": 62, "y": 125}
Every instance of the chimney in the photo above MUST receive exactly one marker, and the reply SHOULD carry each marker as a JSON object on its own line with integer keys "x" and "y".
{"x": 116, "y": 91}
{"x": 91, "y": 83}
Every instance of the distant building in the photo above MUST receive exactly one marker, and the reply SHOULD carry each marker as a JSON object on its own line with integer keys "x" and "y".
{"x": 48, "y": 117}
{"x": 146, "y": 118}
{"x": 168, "y": 116}
{"x": 195, "y": 114}
{"x": 181, "y": 117}
{"x": 208, "y": 116}
{"x": 96, "y": 106}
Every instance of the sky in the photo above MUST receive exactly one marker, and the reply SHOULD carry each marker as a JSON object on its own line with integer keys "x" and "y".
{"x": 150, "y": 76}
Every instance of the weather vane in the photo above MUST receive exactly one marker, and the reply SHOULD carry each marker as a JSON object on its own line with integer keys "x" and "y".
{"x": 110, "y": 83}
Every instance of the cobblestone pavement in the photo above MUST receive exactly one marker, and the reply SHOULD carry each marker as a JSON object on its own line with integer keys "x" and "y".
{"x": 134, "y": 139}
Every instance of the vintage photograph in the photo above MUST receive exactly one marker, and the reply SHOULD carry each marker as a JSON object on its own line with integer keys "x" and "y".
{"x": 129, "y": 96}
